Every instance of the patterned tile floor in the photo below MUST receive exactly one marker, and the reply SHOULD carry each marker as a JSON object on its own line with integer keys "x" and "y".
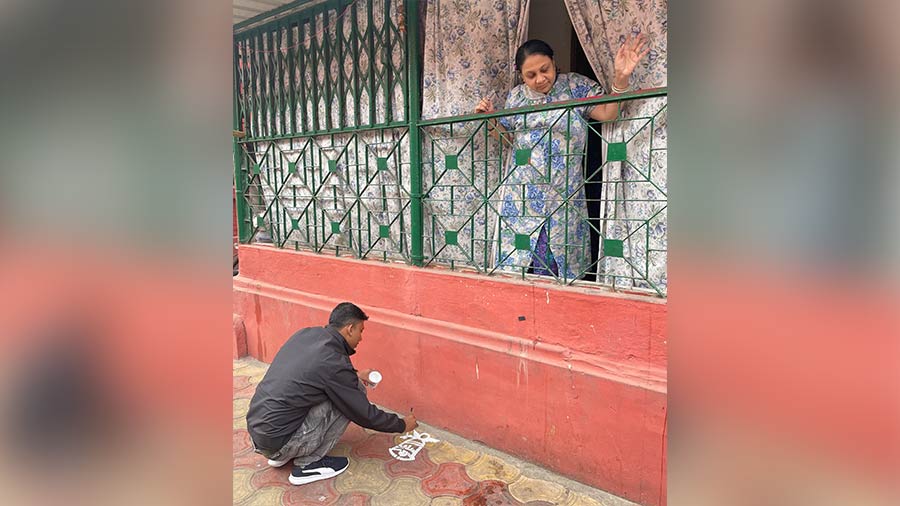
{"x": 443, "y": 474}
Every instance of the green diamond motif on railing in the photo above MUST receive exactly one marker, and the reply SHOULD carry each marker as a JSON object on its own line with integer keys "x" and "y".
{"x": 613, "y": 248}
{"x": 523, "y": 242}
{"x": 523, "y": 156}
{"x": 616, "y": 152}
{"x": 370, "y": 57}
{"x": 452, "y": 162}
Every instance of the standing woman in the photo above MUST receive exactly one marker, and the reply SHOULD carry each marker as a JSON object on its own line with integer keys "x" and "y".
{"x": 534, "y": 194}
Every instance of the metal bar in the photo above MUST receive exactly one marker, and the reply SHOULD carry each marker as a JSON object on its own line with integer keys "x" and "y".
{"x": 282, "y": 93}
{"x": 404, "y": 243}
{"x": 327, "y": 60}
{"x": 238, "y": 158}
{"x": 253, "y": 64}
{"x": 263, "y": 84}
{"x": 260, "y": 85}
{"x": 387, "y": 61}
{"x": 286, "y": 80}
{"x": 649, "y": 93}
{"x": 317, "y": 180}
{"x": 277, "y": 88}
{"x": 358, "y": 199}
{"x": 274, "y": 56}
{"x": 650, "y": 150}
{"x": 301, "y": 36}
{"x": 292, "y": 70}
{"x": 249, "y": 120}
{"x": 487, "y": 243}
{"x": 354, "y": 32}
{"x": 370, "y": 32}
{"x": 270, "y": 104}
{"x": 314, "y": 81}
{"x": 359, "y": 192}
{"x": 279, "y": 217}
{"x": 240, "y": 86}
{"x": 401, "y": 68}
{"x": 268, "y": 56}
{"x": 415, "y": 176}
{"x": 395, "y": 125}
{"x": 566, "y": 240}
{"x": 342, "y": 88}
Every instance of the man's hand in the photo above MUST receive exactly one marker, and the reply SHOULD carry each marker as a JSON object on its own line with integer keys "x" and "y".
{"x": 364, "y": 377}
{"x": 410, "y": 421}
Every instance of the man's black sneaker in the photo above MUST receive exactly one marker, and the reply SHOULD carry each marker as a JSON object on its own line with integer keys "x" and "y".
{"x": 322, "y": 469}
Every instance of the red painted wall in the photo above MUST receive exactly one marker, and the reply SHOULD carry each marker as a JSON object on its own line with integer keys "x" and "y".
{"x": 578, "y": 386}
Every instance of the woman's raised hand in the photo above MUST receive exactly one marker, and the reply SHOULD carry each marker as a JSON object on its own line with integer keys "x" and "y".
{"x": 630, "y": 54}
{"x": 484, "y": 106}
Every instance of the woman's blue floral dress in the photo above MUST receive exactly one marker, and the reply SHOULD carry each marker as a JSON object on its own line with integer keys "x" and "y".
{"x": 545, "y": 169}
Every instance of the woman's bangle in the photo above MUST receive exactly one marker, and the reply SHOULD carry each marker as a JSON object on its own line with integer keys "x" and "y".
{"x": 616, "y": 89}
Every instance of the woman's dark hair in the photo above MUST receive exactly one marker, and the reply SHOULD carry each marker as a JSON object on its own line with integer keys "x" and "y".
{"x": 533, "y": 46}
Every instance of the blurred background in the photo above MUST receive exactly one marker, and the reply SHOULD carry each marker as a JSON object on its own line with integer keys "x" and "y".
{"x": 115, "y": 196}
{"x": 784, "y": 253}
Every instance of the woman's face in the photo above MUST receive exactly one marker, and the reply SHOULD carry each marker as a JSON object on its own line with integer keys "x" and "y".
{"x": 539, "y": 72}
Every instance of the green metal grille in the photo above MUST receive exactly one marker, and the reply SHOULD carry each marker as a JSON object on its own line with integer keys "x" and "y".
{"x": 336, "y": 66}
{"x": 335, "y": 159}
{"x": 348, "y": 193}
{"x": 321, "y": 97}
{"x": 470, "y": 189}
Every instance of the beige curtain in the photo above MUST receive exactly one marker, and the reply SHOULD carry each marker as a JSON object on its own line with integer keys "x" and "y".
{"x": 469, "y": 50}
{"x": 635, "y": 194}
{"x": 470, "y": 47}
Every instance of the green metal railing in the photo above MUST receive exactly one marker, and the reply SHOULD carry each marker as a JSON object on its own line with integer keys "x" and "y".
{"x": 336, "y": 66}
{"x": 336, "y": 159}
{"x": 322, "y": 98}
{"x": 474, "y": 198}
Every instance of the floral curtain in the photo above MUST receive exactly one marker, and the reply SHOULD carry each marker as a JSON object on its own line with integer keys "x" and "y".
{"x": 469, "y": 51}
{"x": 635, "y": 189}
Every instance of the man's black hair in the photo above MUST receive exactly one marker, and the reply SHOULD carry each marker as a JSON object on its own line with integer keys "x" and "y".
{"x": 346, "y": 313}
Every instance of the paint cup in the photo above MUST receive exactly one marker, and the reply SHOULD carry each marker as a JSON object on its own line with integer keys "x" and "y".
{"x": 374, "y": 378}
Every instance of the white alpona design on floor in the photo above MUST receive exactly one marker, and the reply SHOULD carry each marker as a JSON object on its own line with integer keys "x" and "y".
{"x": 414, "y": 443}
